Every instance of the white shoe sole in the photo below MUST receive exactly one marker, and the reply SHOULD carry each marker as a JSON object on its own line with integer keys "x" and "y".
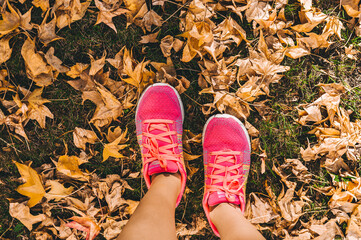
{"x": 161, "y": 84}
{"x": 227, "y": 116}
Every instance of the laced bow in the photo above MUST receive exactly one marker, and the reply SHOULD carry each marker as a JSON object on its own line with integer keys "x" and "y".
{"x": 164, "y": 152}
{"x": 229, "y": 176}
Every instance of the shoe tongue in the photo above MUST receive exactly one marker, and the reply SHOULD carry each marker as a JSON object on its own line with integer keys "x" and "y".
{"x": 155, "y": 168}
{"x": 218, "y": 197}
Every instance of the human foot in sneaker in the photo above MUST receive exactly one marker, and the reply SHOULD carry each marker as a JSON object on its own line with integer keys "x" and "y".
{"x": 159, "y": 122}
{"x": 226, "y": 154}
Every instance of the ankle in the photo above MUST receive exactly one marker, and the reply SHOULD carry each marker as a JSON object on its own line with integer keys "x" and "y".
{"x": 168, "y": 183}
{"x": 218, "y": 212}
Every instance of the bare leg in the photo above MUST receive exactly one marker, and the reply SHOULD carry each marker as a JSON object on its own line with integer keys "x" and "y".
{"x": 231, "y": 223}
{"x": 154, "y": 217}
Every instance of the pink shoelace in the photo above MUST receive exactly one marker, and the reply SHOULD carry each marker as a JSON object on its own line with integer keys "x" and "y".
{"x": 164, "y": 152}
{"x": 229, "y": 176}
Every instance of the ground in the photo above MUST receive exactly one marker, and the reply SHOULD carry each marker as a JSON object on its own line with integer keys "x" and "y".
{"x": 280, "y": 136}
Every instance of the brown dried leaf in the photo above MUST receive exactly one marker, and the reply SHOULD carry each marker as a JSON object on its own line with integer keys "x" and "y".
{"x": 106, "y": 15}
{"x": 82, "y": 136}
{"x": 150, "y": 38}
{"x": 197, "y": 225}
{"x": 22, "y": 212}
{"x": 46, "y": 31}
{"x": 166, "y": 45}
{"x": 96, "y": 65}
{"x": 43, "y": 4}
{"x": 76, "y": 70}
{"x": 5, "y": 50}
{"x": 55, "y": 62}
{"x": 36, "y": 68}
{"x": 10, "y": 20}
{"x": 152, "y": 18}
{"x": 112, "y": 149}
{"x": 259, "y": 210}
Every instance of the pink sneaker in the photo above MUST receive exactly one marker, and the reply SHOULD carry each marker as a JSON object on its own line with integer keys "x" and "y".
{"x": 159, "y": 121}
{"x": 226, "y": 154}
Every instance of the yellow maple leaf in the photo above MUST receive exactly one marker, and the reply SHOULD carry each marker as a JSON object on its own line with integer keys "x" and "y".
{"x": 57, "y": 190}
{"x": 112, "y": 149}
{"x": 69, "y": 165}
{"x": 33, "y": 187}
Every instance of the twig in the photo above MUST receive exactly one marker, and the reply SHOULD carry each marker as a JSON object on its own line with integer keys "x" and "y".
{"x": 10, "y": 146}
{"x": 193, "y": 99}
{"x": 11, "y": 224}
{"x": 154, "y": 30}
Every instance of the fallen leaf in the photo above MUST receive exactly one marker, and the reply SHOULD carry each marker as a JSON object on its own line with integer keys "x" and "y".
{"x": 69, "y": 165}
{"x": 82, "y": 136}
{"x": 43, "y": 4}
{"x": 21, "y": 212}
{"x": 197, "y": 225}
{"x": 106, "y": 15}
{"x": 112, "y": 149}
{"x": 55, "y": 62}
{"x": 113, "y": 228}
{"x": 5, "y": 50}
{"x": 150, "y": 38}
{"x": 33, "y": 187}
{"x": 85, "y": 224}
{"x": 10, "y": 20}
{"x": 46, "y": 31}
{"x": 36, "y": 68}
{"x": 57, "y": 190}
{"x": 96, "y": 65}
{"x": 77, "y": 69}
{"x": 152, "y": 18}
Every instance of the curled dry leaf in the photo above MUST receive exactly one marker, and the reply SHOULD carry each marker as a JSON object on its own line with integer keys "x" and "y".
{"x": 354, "y": 225}
{"x": 76, "y": 70}
{"x": 152, "y": 18}
{"x": 36, "y": 67}
{"x": 69, "y": 165}
{"x": 82, "y": 136}
{"x": 46, "y": 31}
{"x": 10, "y": 20}
{"x": 96, "y": 65}
{"x": 5, "y": 50}
{"x": 113, "y": 228}
{"x": 259, "y": 210}
{"x": 36, "y": 108}
{"x": 166, "y": 45}
{"x": 55, "y": 62}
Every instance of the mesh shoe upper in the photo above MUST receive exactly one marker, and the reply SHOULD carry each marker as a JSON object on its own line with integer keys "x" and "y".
{"x": 159, "y": 119}
{"x": 226, "y": 154}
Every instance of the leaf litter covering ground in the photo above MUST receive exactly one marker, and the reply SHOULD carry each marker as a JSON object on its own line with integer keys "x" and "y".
{"x": 235, "y": 83}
